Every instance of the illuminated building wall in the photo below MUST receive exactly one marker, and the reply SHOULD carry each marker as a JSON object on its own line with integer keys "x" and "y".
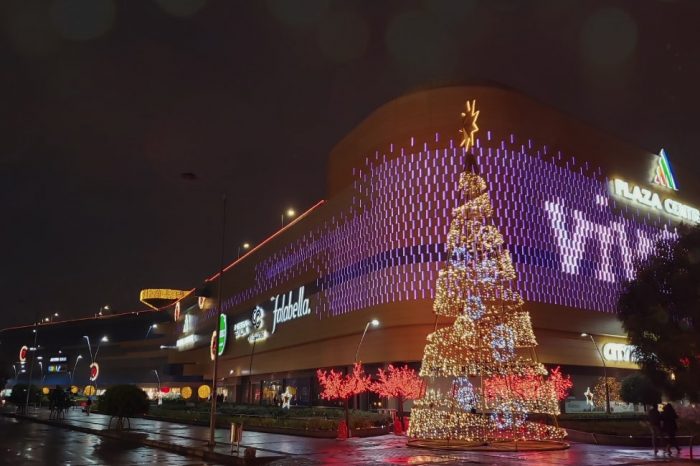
{"x": 571, "y": 243}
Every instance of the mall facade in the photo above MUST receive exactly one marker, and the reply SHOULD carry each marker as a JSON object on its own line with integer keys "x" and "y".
{"x": 577, "y": 209}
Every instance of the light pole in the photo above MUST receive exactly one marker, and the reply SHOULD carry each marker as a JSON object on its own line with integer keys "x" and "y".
{"x": 102, "y": 308}
{"x": 103, "y": 339}
{"x": 217, "y": 326}
{"x": 289, "y": 213}
{"x": 31, "y": 368}
{"x": 150, "y": 327}
{"x": 72, "y": 374}
{"x": 605, "y": 370}
{"x": 373, "y": 323}
{"x": 160, "y": 400}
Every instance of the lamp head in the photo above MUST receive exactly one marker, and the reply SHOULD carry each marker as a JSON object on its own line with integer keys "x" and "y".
{"x": 246, "y": 245}
{"x": 375, "y": 323}
{"x": 291, "y": 213}
{"x": 104, "y": 338}
{"x": 584, "y": 334}
{"x": 154, "y": 326}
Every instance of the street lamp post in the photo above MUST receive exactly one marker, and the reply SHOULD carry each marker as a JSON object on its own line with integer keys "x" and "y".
{"x": 72, "y": 374}
{"x": 373, "y": 323}
{"x": 605, "y": 370}
{"x": 217, "y": 327}
{"x": 160, "y": 400}
{"x": 31, "y": 368}
{"x": 150, "y": 327}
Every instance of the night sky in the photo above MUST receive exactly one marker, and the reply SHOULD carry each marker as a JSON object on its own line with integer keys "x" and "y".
{"x": 105, "y": 103}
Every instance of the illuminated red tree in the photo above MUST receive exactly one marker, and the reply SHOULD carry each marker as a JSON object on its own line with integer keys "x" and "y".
{"x": 337, "y": 386}
{"x": 401, "y": 383}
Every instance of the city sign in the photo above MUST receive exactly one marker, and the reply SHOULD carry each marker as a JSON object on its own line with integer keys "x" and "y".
{"x": 618, "y": 352}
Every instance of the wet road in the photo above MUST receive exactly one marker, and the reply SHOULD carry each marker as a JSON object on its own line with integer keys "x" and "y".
{"x": 29, "y": 443}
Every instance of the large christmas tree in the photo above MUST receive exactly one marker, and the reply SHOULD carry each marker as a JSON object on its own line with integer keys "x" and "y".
{"x": 482, "y": 385}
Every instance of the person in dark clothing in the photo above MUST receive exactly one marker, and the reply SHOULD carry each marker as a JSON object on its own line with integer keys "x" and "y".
{"x": 668, "y": 421}
{"x": 654, "y": 418}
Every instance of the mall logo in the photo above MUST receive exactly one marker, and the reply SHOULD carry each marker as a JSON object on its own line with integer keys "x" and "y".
{"x": 663, "y": 176}
{"x": 640, "y": 196}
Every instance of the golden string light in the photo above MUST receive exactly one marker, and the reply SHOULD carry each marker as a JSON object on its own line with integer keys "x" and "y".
{"x": 481, "y": 386}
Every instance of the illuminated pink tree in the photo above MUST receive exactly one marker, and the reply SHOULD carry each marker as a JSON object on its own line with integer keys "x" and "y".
{"x": 337, "y": 386}
{"x": 401, "y": 383}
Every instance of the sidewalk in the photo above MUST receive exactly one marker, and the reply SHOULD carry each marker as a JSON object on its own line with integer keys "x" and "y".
{"x": 282, "y": 450}
{"x": 179, "y": 438}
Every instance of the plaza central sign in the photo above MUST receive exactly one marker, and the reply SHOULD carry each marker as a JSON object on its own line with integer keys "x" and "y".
{"x": 662, "y": 176}
{"x": 285, "y": 308}
{"x": 655, "y": 201}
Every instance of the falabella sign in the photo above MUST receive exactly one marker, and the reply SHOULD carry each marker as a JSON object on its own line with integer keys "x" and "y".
{"x": 286, "y": 308}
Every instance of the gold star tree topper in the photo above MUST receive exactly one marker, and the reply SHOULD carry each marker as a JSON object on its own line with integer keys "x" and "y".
{"x": 469, "y": 127}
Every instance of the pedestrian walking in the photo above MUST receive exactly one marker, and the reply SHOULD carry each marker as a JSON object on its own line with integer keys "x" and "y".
{"x": 668, "y": 423}
{"x": 88, "y": 405}
{"x": 654, "y": 418}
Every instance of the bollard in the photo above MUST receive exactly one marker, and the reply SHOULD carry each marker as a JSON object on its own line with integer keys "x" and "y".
{"x": 236, "y": 436}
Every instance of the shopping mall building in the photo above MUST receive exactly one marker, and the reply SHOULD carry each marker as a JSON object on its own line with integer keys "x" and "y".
{"x": 577, "y": 208}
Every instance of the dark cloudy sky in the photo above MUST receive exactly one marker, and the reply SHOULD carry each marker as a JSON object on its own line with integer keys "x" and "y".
{"x": 104, "y": 103}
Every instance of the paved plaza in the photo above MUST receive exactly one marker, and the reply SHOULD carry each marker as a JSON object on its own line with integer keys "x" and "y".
{"x": 85, "y": 440}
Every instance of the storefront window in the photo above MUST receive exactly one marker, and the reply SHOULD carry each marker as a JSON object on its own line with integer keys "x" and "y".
{"x": 271, "y": 391}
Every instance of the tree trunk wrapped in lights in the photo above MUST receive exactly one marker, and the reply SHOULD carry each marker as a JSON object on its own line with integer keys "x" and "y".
{"x": 482, "y": 385}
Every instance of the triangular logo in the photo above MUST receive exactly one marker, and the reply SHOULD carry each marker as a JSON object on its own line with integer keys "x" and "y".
{"x": 663, "y": 176}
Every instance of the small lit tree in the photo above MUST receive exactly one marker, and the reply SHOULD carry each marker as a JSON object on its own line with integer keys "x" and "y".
{"x": 401, "y": 383}
{"x": 614, "y": 388}
{"x": 337, "y": 386}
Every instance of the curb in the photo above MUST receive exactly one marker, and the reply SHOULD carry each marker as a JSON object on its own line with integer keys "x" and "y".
{"x": 182, "y": 450}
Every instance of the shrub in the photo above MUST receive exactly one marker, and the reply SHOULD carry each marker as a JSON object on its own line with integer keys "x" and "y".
{"x": 18, "y": 396}
{"x": 123, "y": 402}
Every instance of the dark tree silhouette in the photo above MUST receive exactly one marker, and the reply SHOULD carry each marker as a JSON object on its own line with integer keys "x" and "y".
{"x": 660, "y": 310}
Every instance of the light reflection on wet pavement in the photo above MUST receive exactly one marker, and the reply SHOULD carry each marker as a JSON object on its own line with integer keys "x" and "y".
{"x": 30, "y": 443}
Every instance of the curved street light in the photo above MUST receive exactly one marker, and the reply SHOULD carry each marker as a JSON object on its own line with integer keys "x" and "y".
{"x": 150, "y": 327}
{"x": 605, "y": 370}
{"x": 373, "y": 323}
{"x": 72, "y": 374}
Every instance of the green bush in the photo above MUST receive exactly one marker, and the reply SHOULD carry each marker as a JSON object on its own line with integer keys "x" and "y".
{"x": 124, "y": 401}
{"x": 18, "y": 396}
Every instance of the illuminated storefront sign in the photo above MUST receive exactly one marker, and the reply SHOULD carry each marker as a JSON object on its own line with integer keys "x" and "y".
{"x": 153, "y": 297}
{"x": 57, "y": 364}
{"x": 223, "y": 331}
{"x": 188, "y": 342}
{"x": 662, "y": 176}
{"x": 285, "y": 309}
{"x": 618, "y": 352}
{"x": 23, "y": 353}
{"x": 94, "y": 371}
{"x": 654, "y": 200}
